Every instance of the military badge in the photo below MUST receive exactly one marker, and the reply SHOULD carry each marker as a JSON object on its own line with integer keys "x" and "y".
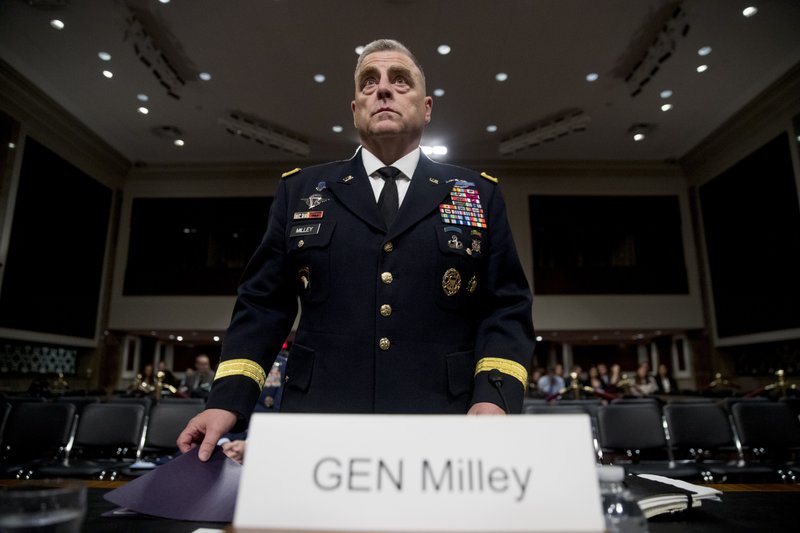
{"x": 465, "y": 207}
{"x": 472, "y": 284}
{"x": 454, "y": 243}
{"x": 314, "y": 200}
{"x": 451, "y": 281}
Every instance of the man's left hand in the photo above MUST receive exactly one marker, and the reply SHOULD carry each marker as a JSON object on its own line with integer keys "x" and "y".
{"x": 485, "y": 408}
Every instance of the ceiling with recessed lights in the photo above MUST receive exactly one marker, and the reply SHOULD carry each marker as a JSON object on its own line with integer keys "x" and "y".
{"x": 212, "y": 81}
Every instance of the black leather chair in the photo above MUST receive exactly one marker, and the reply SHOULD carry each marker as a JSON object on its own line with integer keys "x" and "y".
{"x": 701, "y": 434}
{"x": 770, "y": 436}
{"x": 35, "y": 431}
{"x": 166, "y": 422}
{"x": 632, "y": 435}
{"x": 78, "y": 401}
{"x": 108, "y": 438}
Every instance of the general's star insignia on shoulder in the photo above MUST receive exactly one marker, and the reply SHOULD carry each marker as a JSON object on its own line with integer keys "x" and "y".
{"x": 290, "y": 172}
{"x": 490, "y": 178}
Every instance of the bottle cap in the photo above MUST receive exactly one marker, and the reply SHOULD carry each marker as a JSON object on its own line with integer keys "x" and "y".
{"x": 610, "y": 473}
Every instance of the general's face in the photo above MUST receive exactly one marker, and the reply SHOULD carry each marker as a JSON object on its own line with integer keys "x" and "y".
{"x": 390, "y": 97}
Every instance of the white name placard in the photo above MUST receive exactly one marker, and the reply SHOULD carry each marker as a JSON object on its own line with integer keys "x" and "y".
{"x": 419, "y": 473}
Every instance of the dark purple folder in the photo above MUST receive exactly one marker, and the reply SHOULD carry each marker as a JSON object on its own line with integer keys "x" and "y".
{"x": 185, "y": 489}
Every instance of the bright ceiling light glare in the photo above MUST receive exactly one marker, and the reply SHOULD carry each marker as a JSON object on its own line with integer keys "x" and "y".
{"x": 665, "y": 94}
{"x": 205, "y": 76}
{"x": 638, "y": 137}
{"x": 57, "y": 24}
{"x": 491, "y": 128}
{"x": 216, "y": 338}
{"x": 359, "y": 50}
{"x": 702, "y": 68}
{"x": 319, "y": 78}
{"x": 108, "y": 74}
{"x": 105, "y": 56}
{"x": 592, "y": 76}
{"x": 704, "y": 51}
{"x": 666, "y": 107}
{"x": 143, "y": 110}
{"x": 142, "y": 97}
{"x": 11, "y": 146}
{"x": 538, "y": 338}
{"x": 501, "y": 76}
{"x": 440, "y": 150}
{"x": 443, "y": 49}
{"x": 438, "y": 92}
{"x": 179, "y": 338}
{"x": 164, "y": 1}
{"x": 337, "y": 129}
{"x": 749, "y": 11}
{"x": 179, "y": 142}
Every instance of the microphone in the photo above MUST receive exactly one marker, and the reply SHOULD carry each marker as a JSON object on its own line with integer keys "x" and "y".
{"x": 496, "y": 379}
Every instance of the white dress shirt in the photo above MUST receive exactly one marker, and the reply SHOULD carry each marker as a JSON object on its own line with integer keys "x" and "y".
{"x": 406, "y": 164}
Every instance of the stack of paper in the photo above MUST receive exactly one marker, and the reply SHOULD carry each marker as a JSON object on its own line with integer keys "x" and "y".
{"x": 658, "y": 494}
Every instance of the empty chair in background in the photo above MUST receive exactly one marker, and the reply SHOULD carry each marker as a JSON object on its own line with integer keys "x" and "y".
{"x": 632, "y": 435}
{"x": 770, "y": 435}
{"x": 109, "y": 437}
{"x": 35, "y": 432}
{"x": 701, "y": 434}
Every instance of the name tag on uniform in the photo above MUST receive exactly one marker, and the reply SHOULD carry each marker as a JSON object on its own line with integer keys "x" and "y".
{"x": 305, "y": 229}
{"x": 419, "y": 473}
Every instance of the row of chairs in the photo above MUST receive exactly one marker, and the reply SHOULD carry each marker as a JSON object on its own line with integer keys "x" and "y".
{"x": 704, "y": 440}
{"x": 59, "y": 439}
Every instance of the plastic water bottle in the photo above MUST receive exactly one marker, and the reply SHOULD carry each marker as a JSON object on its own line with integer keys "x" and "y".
{"x": 622, "y": 513}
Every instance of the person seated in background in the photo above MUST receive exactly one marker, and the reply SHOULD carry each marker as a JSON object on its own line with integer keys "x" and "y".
{"x": 614, "y": 377}
{"x": 197, "y": 384}
{"x": 602, "y": 373}
{"x": 168, "y": 378}
{"x": 533, "y": 383}
{"x": 665, "y": 382}
{"x": 551, "y": 384}
{"x": 594, "y": 379}
{"x": 643, "y": 384}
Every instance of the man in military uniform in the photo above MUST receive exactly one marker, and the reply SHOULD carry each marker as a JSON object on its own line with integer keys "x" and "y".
{"x": 413, "y": 298}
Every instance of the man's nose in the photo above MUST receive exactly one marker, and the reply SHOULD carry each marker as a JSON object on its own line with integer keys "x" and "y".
{"x": 384, "y": 87}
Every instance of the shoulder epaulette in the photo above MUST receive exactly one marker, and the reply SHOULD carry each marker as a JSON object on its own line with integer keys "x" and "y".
{"x": 290, "y": 172}
{"x": 490, "y": 178}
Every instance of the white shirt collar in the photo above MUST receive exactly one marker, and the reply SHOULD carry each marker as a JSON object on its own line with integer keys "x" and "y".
{"x": 407, "y": 164}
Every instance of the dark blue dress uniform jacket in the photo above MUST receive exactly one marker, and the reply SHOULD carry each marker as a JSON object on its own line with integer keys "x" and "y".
{"x": 392, "y": 321}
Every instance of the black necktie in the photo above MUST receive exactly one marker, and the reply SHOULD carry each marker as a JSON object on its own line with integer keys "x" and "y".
{"x": 388, "y": 201}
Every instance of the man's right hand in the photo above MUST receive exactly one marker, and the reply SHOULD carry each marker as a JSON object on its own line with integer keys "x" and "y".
{"x": 206, "y": 429}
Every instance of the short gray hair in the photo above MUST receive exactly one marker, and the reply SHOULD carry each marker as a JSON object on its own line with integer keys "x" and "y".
{"x": 388, "y": 45}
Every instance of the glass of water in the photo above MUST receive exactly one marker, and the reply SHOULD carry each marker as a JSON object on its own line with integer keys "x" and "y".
{"x": 42, "y": 507}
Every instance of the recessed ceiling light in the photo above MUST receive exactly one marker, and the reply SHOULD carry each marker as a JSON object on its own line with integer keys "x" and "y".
{"x": 666, "y": 107}
{"x": 337, "y": 129}
{"x": 666, "y": 93}
{"x": 319, "y": 78}
{"x": 143, "y": 110}
{"x": 702, "y": 68}
{"x": 172, "y": 337}
{"x": 57, "y": 24}
{"x": 179, "y": 337}
{"x": 501, "y": 76}
{"x": 164, "y": 1}
{"x": 592, "y": 76}
{"x": 638, "y": 137}
{"x": 142, "y": 97}
{"x": 749, "y": 11}
{"x": 216, "y": 338}
{"x": 443, "y": 49}
{"x": 798, "y": 139}
{"x": 108, "y": 74}
{"x": 538, "y": 338}
{"x": 11, "y": 146}
{"x": 359, "y": 50}
{"x": 105, "y": 56}
{"x": 704, "y": 51}
{"x": 434, "y": 150}
{"x": 491, "y": 128}
{"x": 179, "y": 142}
{"x": 438, "y": 92}
{"x": 205, "y": 76}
